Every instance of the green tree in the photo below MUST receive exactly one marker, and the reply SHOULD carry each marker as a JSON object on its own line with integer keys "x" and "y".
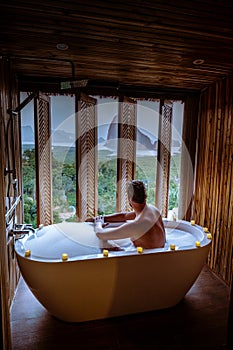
{"x": 29, "y": 186}
{"x": 173, "y": 194}
{"x": 29, "y": 205}
{"x": 107, "y": 187}
{"x": 29, "y": 175}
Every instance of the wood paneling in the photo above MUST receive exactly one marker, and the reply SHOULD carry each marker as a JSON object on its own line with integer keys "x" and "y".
{"x": 213, "y": 198}
{"x": 8, "y": 267}
{"x": 149, "y": 43}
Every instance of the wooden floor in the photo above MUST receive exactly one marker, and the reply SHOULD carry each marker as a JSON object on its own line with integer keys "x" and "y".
{"x": 198, "y": 322}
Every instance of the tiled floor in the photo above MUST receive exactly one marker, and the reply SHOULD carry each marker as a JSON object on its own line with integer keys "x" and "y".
{"x": 198, "y": 322}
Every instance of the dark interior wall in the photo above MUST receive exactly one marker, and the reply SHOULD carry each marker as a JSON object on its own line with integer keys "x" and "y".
{"x": 9, "y": 144}
{"x": 213, "y": 195}
{"x": 213, "y": 198}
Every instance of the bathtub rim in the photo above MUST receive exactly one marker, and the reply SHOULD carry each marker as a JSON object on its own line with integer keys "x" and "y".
{"x": 179, "y": 224}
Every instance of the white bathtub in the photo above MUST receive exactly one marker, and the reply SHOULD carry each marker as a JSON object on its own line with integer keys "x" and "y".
{"x": 89, "y": 285}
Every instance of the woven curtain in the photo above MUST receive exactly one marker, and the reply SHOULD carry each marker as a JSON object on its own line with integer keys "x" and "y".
{"x": 188, "y": 157}
{"x": 43, "y": 160}
{"x": 126, "y": 161}
{"x": 164, "y": 155}
{"x": 86, "y": 162}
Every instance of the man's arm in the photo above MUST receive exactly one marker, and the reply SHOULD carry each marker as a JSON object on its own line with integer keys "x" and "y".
{"x": 132, "y": 229}
{"x": 120, "y": 217}
{"x": 116, "y": 217}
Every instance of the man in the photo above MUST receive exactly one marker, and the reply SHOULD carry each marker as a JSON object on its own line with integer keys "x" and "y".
{"x": 145, "y": 226}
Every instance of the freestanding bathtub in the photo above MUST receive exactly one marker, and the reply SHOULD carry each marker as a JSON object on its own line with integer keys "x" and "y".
{"x": 77, "y": 281}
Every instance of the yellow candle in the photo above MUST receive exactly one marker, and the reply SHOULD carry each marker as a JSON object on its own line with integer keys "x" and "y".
{"x": 105, "y": 252}
{"x": 209, "y": 236}
{"x": 205, "y": 229}
{"x": 64, "y": 257}
{"x": 27, "y": 253}
{"x": 192, "y": 222}
{"x": 172, "y": 246}
{"x": 140, "y": 250}
{"x": 198, "y": 244}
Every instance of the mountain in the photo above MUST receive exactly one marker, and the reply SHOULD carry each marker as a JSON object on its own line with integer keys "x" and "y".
{"x": 27, "y": 134}
{"x": 61, "y": 136}
{"x": 58, "y": 136}
{"x": 101, "y": 140}
{"x": 143, "y": 140}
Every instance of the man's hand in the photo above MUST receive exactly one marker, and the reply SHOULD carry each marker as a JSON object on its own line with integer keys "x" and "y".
{"x": 109, "y": 245}
{"x": 98, "y": 222}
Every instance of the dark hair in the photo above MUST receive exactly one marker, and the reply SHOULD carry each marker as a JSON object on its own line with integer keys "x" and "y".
{"x": 137, "y": 191}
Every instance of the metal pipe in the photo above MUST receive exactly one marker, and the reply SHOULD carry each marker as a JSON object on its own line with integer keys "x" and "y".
{"x": 12, "y": 208}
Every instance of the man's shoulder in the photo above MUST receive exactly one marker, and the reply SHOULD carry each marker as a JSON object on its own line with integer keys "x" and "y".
{"x": 154, "y": 209}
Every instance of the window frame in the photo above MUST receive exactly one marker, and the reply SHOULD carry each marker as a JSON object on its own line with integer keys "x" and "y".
{"x": 190, "y": 183}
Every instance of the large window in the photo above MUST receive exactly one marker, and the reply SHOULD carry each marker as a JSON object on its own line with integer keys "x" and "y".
{"x": 107, "y": 112}
{"x": 147, "y": 145}
{"x": 63, "y": 158}
{"x": 28, "y": 162}
{"x": 98, "y": 145}
{"x": 175, "y": 162}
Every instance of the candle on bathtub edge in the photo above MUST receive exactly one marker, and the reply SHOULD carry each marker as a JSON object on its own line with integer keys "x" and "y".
{"x": 140, "y": 250}
{"x": 193, "y": 222}
{"x": 64, "y": 257}
{"x": 209, "y": 236}
{"x": 198, "y": 244}
{"x": 105, "y": 252}
{"x": 205, "y": 229}
{"x": 172, "y": 246}
{"x": 27, "y": 253}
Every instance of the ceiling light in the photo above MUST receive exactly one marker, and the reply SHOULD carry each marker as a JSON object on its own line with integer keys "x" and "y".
{"x": 62, "y": 46}
{"x": 198, "y": 61}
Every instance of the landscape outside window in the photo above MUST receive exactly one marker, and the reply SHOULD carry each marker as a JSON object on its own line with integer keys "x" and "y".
{"x": 146, "y": 145}
{"x": 63, "y": 155}
{"x": 28, "y": 162}
{"x": 63, "y": 158}
{"x": 176, "y": 146}
{"x": 107, "y": 112}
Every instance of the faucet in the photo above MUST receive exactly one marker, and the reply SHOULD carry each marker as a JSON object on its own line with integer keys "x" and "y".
{"x": 20, "y": 230}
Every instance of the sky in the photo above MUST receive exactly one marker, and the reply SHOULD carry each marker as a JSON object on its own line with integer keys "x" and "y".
{"x": 63, "y": 107}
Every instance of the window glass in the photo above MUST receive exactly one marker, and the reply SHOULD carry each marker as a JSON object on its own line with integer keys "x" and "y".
{"x": 176, "y": 145}
{"x": 63, "y": 158}
{"x": 107, "y": 114}
{"x": 146, "y": 145}
{"x": 28, "y": 161}
{"x": 63, "y": 154}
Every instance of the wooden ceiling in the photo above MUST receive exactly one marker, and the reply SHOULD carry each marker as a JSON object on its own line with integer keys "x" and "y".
{"x": 166, "y": 44}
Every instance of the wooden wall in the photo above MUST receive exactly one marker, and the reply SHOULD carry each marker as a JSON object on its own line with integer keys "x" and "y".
{"x": 9, "y": 139}
{"x": 213, "y": 195}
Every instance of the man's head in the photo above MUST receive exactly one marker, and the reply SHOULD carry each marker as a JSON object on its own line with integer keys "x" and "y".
{"x": 136, "y": 191}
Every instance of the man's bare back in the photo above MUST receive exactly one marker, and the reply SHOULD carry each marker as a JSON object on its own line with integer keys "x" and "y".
{"x": 145, "y": 229}
{"x": 143, "y": 225}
